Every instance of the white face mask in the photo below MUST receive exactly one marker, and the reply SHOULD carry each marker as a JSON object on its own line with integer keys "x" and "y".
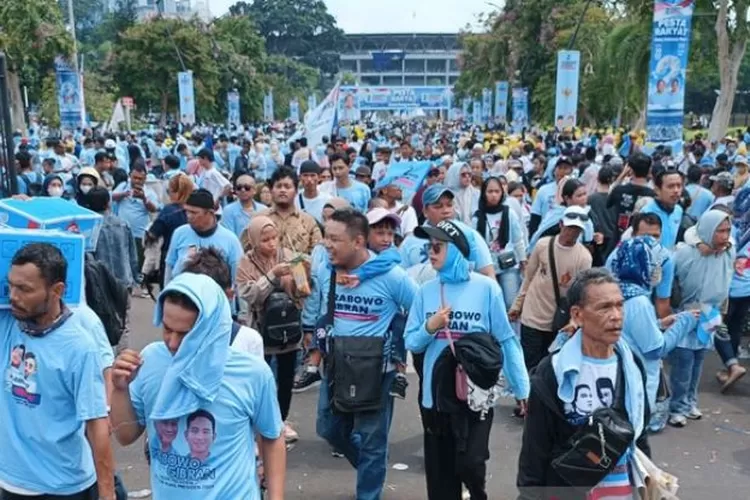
{"x": 85, "y": 189}
{"x": 55, "y": 192}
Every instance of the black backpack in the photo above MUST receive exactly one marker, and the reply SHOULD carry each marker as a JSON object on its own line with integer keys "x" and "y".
{"x": 282, "y": 320}
{"x": 33, "y": 186}
{"x": 107, "y": 297}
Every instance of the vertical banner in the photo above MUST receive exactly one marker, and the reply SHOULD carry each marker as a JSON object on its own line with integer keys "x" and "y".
{"x": 312, "y": 102}
{"x": 476, "y": 111}
{"x": 187, "y": 97}
{"x": 566, "y": 96}
{"x": 501, "y": 102}
{"x": 670, "y": 44}
{"x": 321, "y": 120}
{"x": 233, "y": 108}
{"x": 294, "y": 110}
{"x": 520, "y": 109}
{"x": 465, "y": 103}
{"x": 486, "y": 105}
{"x": 268, "y": 107}
{"x": 69, "y": 99}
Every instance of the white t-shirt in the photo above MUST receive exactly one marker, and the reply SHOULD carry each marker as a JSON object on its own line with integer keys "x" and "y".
{"x": 313, "y": 206}
{"x": 249, "y": 341}
{"x": 409, "y": 221}
{"x": 215, "y": 182}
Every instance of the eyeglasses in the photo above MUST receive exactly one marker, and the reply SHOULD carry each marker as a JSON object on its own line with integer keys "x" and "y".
{"x": 574, "y": 216}
{"x": 436, "y": 247}
{"x": 244, "y": 187}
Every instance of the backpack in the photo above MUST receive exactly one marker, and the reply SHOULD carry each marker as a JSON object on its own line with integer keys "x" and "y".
{"x": 107, "y": 297}
{"x": 282, "y": 320}
{"x": 32, "y": 188}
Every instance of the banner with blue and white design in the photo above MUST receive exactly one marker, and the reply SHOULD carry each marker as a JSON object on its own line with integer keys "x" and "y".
{"x": 233, "y": 108}
{"x": 187, "y": 97}
{"x": 520, "y": 109}
{"x": 408, "y": 175}
{"x": 69, "y": 96}
{"x": 268, "y": 106}
{"x": 566, "y": 96}
{"x": 486, "y": 105}
{"x": 294, "y": 110}
{"x": 476, "y": 112}
{"x": 312, "y": 102}
{"x": 501, "y": 102}
{"x": 670, "y": 47}
{"x": 465, "y": 105}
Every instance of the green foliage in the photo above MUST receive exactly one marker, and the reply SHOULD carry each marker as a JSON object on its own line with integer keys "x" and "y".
{"x": 32, "y": 31}
{"x": 289, "y": 79}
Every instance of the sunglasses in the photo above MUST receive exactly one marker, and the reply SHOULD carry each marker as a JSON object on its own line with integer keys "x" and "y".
{"x": 436, "y": 247}
{"x": 582, "y": 217}
{"x": 244, "y": 187}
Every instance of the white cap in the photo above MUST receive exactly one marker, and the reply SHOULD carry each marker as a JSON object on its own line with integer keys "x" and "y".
{"x": 575, "y": 216}
{"x": 109, "y": 144}
{"x": 380, "y": 214}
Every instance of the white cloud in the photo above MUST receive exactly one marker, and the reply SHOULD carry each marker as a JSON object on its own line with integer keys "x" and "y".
{"x": 395, "y": 16}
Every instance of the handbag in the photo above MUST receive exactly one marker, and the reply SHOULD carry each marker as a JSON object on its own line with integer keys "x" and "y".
{"x": 562, "y": 312}
{"x": 596, "y": 448}
{"x": 462, "y": 381}
{"x": 506, "y": 260}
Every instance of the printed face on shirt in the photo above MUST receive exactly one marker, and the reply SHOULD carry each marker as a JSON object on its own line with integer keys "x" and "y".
{"x": 16, "y": 356}
{"x": 600, "y": 314}
{"x": 177, "y": 320}
{"x": 583, "y": 403}
{"x": 31, "y": 297}
{"x": 440, "y": 210}
{"x": 166, "y": 430}
{"x": 29, "y": 365}
{"x": 200, "y": 434}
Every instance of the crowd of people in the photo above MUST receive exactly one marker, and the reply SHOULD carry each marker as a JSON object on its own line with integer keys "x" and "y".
{"x": 582, "y": 274}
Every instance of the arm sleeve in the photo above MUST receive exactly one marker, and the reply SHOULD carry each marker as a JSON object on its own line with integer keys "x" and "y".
{"x": 514, "y": 367}
{"x": 266, "y": 416}
{"x": 313, "y": 307}
{"x": 406, "y": 290}
{"x": 88, "y": 386}
{"x": 171, "y": 259}
{"x": 684, "y": 324}
{"x": 517, "y": 237}
{"x": 664, "y": 288}
{"x": 255, "y": 292}
{"x": 136, "y": 399}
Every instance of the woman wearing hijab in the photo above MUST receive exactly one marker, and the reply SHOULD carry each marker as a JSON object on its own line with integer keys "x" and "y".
{"x": 501, "y": 229}
{"x": 571, "y": 192}
{"x": 53, "y": 186}
{"x": 88, "y": 178}
{"x": 459, "y": 310}
{"x": 263, "y": 271}
{"x": 704, "y": 282}
{"x": 458, "y": 180}
{"x": 637, "y": 264}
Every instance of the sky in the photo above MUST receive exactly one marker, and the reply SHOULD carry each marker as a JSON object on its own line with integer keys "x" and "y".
{"x": 395, "y": 16}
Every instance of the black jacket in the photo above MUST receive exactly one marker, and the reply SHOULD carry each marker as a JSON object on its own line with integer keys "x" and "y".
{"x": 546, "y": 434}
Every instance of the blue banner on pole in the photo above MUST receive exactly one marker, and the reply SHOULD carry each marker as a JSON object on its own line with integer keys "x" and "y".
{"x": 465, "y": 104}
{"x": 187, "y": 97}
{"x": 294, "y": 110}
{"x": 486, "y": 105}
{"x": 501, "y": 102}
{"x": 476, "y": 112}
{"x": 69, "y": 98}
{"x": 408, "y": 175}
{"x": 520, "y": 109}
{"x": 233, "y": 108}
{"x": 268, "y": 106}
{"x": 312, "y": 102}
{"x": 566, "y": 98}
{"x": 670, "y": 46}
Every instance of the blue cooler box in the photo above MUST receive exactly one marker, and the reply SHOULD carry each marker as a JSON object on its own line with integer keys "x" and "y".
{"x": 71, "y": 246}
{"x": 52, "y": 213}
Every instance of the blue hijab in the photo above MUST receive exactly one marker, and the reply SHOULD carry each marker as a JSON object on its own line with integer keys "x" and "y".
{"x": 456, "y": 267}
{"x": 634, "y": 265}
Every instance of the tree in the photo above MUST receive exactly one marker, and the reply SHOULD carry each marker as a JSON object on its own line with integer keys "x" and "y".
{"x": 299, "y": 29}
{"x": 289, "y": 79}
{"x": 32, "y": 34}
{"x": 146, "y": 64}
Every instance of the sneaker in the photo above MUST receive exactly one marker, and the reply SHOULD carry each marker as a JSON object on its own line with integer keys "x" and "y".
{"x": 398, "y": 387}
{"x": 290, "y": 435}
{"x": 743, "y": 352}
{"x": 310, "y": 378}
{"x": 694, "y": 414}
{"x": 336, "y": 454}
{"x": 677, "y": 420}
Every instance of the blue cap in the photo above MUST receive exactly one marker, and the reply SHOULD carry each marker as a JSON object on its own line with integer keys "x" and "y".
{"x": 433, "y": 193}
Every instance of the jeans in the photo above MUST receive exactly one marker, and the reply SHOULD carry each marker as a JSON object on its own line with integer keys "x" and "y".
{"x": 684, "y": 375}
{"x": 510, "y": 283}
{"x": 735, "y": 321}
{"x": 361, "y": 437}
{"x": 535, "y": 344}
{"x": 285, "y": 364}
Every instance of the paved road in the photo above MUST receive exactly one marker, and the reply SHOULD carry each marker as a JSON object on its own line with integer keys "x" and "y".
{"x": 711, "y": 457}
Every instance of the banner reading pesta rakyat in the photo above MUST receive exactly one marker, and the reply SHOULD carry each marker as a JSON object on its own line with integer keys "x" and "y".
{"x": 670, "y": 47}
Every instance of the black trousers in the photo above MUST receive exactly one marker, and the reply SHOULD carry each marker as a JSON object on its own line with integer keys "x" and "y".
{"x": 535, "y": 344}
{"x": 91, "y": 493}
{"x": 446, "y": 467}
{"x": 285, "y": 364}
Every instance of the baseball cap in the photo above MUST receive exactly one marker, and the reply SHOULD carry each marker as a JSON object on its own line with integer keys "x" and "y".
{"x": 433, "y": 193}
{"x": 564, "y": 160}
{"x": 447, "y": 231}
{"x": 309, "y": 167}
{"x": 575, "y": 216}
{"x": 724, "y": 178}
{"x": 380, "y": 214}
{"x": 363, "y": 171}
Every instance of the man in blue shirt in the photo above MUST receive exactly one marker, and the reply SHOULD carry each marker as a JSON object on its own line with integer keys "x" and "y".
{"x": 545, "y": 195}
{"x": 237, "y": 214}
{"x": 53, "y": 407}
{"x": 354, "y": 414}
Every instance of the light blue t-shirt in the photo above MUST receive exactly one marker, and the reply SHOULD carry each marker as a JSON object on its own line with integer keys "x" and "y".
{"x": 477, "y": 306}
{"x": 87, "y": 157}
{"x": 358, "y": 195}
{"x": 740, "y": 285}
{"x": 93, "y": 325}
{"x": 185, "y": 240}
{"x": 52, "y": 385}
{"x": 670, "y": 223}
{"x": 209, "y": 454}
{"x": 413, "y": 250}
{"x": 545, "y": 199}
{"x": 236, "y": 219}
{"x": 701, "y": 200}
{"x": 133, "y": 210}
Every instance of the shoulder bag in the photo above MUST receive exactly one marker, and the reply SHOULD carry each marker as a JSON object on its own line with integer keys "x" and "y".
{"x": 562, "y": 311}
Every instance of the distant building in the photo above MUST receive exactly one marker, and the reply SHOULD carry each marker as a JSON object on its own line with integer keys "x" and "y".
{"x": 147, "y": 9}
{"x": 393, "y": 59}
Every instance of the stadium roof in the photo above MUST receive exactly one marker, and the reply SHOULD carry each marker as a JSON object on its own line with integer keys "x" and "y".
{"x": 409, "y": 42}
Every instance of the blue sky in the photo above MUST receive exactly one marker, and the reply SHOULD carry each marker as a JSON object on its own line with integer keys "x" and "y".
{"x": 395, "y": 16}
